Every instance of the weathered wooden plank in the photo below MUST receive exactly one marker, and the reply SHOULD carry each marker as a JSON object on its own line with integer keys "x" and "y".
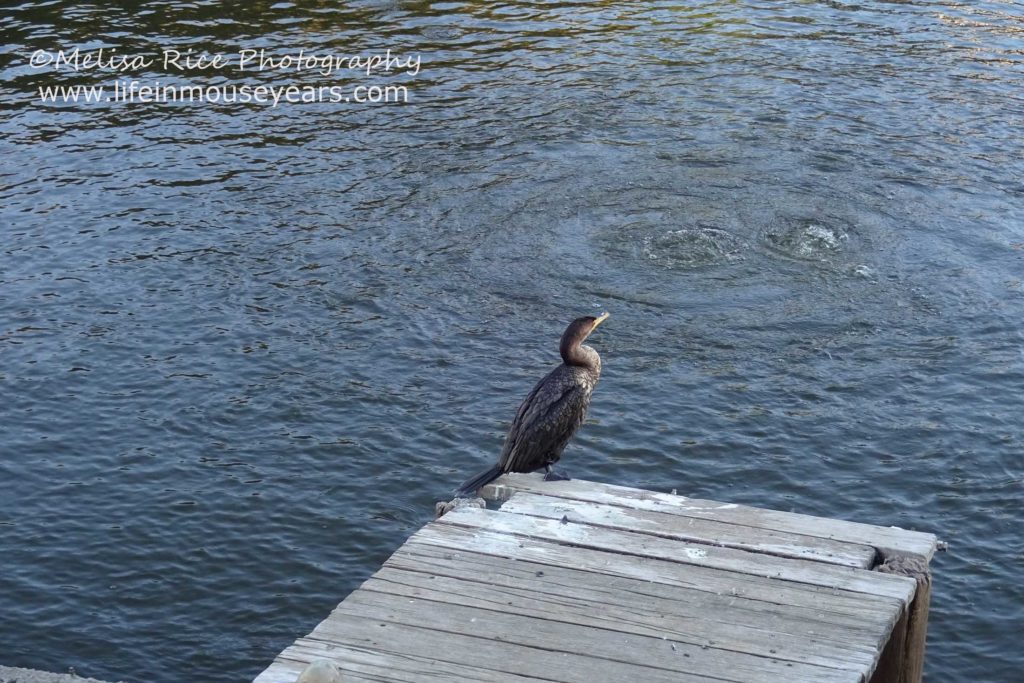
{"x": 761, "y": 635}
{"x": 694, "y": 576}
{"x": 888, "y": 540}
{"x": 584, "y": 535}
{"x": 677, "y": 589}
{"x": 363, "y": 664}
{"x": 386, "y": 636}
{"x": 280, "y": 671}
{"x": 288, "y": 671}
{"x": 654, "y": 653}
{"x": 694, "y": 529}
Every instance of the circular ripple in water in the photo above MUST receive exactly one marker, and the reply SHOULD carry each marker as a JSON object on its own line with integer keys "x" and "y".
{"x": 692, "y": 247}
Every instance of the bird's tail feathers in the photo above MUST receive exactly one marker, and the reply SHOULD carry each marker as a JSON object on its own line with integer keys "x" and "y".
{"x": 471, "y": 485}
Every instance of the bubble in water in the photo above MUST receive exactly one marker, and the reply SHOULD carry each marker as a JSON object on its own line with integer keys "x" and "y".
{"x": 691, "y": 247}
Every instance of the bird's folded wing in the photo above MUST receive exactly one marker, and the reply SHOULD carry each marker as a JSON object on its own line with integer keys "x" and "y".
{"x": 544, "y": 423}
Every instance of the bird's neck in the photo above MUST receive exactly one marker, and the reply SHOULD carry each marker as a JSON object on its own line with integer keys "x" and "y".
{"x": 580, "y": 355}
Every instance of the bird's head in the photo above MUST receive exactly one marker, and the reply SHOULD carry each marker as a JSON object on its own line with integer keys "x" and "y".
{"x": 578, "y": 331}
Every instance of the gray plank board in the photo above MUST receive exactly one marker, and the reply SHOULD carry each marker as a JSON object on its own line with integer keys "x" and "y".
{"x": 681, "y": 589}
{"x": 693, "y": 576}
{"x": 694, "y": 529}
{"x": 889, "y": 540}
{"x": 345, "y": 627}
{"x": 363, "y": 664}
{"x": 584, "y": 535}
{"x": 758, "y": 634}
{"x": 649, "y": 653}
{"x": 287, "y": 670}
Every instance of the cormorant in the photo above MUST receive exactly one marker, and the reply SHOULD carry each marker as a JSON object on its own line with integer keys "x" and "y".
{"x": 551, "y": 413}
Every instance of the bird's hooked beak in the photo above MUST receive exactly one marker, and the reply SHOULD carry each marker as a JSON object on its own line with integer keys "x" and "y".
{"x": 600, "y": 319}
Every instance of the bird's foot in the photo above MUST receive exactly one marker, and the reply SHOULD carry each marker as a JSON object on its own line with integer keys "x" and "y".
{"x": 554, "y": 475}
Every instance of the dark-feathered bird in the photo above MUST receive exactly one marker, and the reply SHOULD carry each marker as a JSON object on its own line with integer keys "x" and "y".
{"x": 552, "y": 412}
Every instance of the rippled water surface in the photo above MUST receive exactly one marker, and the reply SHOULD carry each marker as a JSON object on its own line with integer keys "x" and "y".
{"x": 244, "y": 348}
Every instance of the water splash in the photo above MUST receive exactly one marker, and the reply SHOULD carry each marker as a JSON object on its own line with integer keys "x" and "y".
{"x": 692, "y": 247}
{"x": 811, "y": 240}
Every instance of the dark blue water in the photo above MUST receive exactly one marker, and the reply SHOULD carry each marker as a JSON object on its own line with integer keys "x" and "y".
{"x": 244, "y": 348}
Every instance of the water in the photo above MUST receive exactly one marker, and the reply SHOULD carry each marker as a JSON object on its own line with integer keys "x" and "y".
{"x": 244, "y": 348}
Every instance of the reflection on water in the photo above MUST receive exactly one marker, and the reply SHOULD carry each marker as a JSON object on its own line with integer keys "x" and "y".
{"x": 243, "y": 348}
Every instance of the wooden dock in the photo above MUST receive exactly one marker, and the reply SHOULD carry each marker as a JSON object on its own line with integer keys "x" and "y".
{"x": 583, "y": 582}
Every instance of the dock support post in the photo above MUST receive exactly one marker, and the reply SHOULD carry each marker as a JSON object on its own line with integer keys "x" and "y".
{"x": 903, "y": 658}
